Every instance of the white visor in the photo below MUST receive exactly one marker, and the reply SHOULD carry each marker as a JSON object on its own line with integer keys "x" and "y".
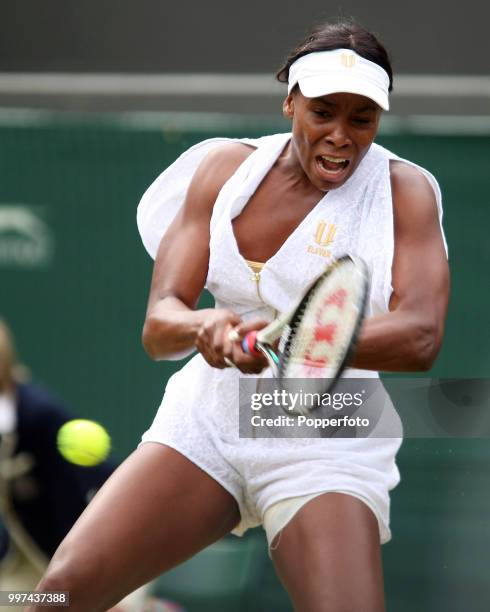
{"x": 342, "y": 70}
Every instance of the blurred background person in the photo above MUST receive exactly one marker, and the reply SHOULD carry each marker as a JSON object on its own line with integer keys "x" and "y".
{"x": 41, "y": 494}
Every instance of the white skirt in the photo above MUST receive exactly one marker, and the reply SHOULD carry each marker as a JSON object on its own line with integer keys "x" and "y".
{"x": 198, "y": 417}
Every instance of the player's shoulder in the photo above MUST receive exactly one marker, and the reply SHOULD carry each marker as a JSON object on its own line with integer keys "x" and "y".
{"x": 408, "y": 180}
{"x": 217, "y": 167}
{"x": 414, "y": 198}
{"x": 226, "y": 157}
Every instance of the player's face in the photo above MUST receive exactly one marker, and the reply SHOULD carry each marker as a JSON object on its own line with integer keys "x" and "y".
{"x": 331, "y": 135}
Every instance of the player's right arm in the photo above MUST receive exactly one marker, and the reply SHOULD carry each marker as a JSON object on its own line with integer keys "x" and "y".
{"x": 172, "y": 325}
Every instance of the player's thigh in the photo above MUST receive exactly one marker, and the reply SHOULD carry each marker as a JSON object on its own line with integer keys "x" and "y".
{"x": 328, "y": 557}
{"x": 155, "y": 511}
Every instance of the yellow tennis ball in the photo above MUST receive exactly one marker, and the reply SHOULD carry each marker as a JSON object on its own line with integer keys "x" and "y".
{"x": 83, "y": 442}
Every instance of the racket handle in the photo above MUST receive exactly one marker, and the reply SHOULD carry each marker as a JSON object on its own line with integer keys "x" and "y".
{"x": 248, "y": 344}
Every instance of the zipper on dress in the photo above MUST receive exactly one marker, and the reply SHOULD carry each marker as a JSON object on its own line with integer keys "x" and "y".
{"x": 256, "y": 279}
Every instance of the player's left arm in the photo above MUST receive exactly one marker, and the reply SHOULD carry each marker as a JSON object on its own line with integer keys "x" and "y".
{"x": 409, "y": 337}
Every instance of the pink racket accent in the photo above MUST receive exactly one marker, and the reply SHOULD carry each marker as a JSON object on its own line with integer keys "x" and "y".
{"x": 248, "y": 344}
{"x": 326, "y": 333}
{"x": 322, "y": 333}
{"x": 338, "y": 298}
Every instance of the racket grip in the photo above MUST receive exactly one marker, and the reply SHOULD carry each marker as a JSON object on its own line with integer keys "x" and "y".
{"x": 248, "y": 343}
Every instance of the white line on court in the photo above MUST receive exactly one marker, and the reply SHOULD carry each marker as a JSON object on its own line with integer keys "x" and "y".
{"x": 101, "y": 84}
{"x": 206, "y": 122}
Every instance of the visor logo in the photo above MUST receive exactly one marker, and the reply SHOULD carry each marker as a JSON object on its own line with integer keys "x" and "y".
{"x": 348, "y": 60}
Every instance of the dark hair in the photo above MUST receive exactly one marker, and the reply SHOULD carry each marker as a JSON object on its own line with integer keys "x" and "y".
{"x": 343, "y": 35}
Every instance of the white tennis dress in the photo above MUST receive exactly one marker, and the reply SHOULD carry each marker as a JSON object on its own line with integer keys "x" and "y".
{"x": 198, "y": 415}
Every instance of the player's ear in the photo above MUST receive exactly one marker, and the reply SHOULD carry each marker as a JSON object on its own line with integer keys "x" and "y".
{"x": 288, "y": 107}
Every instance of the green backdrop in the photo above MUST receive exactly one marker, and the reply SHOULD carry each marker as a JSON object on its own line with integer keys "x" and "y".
{"x": 77, "y": 306}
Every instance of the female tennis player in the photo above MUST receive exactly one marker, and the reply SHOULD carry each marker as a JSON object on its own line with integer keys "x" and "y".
{"x": 256, "y": 221}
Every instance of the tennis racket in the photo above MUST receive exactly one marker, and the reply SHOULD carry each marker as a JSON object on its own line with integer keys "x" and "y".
{"x": 319, "y": 335}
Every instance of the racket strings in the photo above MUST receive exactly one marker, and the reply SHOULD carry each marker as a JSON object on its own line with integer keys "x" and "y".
{"x": 320, "y": 332}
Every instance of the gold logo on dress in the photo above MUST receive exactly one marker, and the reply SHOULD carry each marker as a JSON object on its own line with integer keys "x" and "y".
{"x": 348, "y": 60}
{"x": 325, "y": 233}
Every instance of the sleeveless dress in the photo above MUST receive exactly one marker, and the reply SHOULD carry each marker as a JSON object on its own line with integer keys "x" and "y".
{"x": 198, "y": 415}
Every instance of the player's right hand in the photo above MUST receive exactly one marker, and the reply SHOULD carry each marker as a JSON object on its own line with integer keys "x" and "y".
{"x": 234, "y": 353}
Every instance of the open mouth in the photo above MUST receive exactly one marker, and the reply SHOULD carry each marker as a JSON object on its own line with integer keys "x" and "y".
{"x": 332, "y": 167}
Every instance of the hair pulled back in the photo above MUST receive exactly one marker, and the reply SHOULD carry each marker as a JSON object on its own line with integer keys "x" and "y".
{"x": 342, "y": 35}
